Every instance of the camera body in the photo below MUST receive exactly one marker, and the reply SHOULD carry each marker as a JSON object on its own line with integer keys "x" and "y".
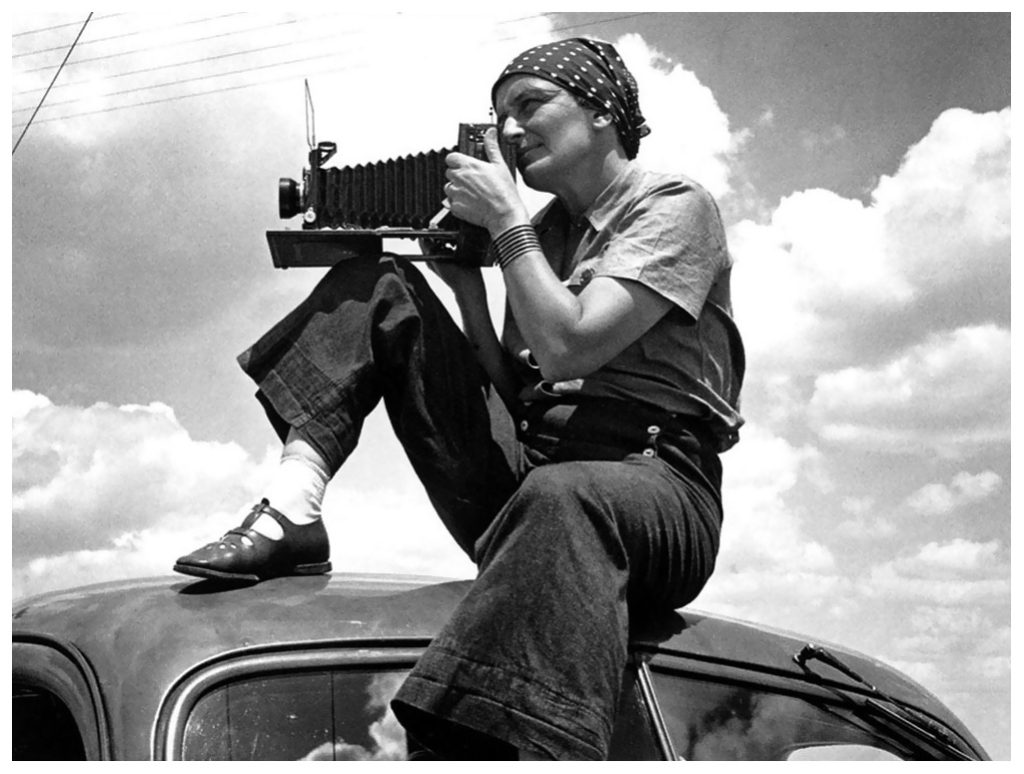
{"x": 348, "y": 211}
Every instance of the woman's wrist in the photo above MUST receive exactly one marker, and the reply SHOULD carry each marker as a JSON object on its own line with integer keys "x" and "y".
{"x": 516, "y": 217}
{"x": 513, "y": 243}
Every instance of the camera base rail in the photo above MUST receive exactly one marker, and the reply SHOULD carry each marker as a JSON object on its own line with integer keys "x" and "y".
{"x": 326, "y": 247}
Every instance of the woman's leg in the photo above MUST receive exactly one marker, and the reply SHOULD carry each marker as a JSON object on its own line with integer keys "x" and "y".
{"x": 535, "y": 653}
{"x": 374, "y": 330}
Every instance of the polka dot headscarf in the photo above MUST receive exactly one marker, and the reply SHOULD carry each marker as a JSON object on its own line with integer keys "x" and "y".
{"x": 592, "y": 71}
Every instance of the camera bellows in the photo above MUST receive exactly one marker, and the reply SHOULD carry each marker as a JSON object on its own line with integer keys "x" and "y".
{"x": 398, "y": 193}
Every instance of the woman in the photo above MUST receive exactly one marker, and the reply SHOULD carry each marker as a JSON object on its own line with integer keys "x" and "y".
{"x": 575, "y": 459}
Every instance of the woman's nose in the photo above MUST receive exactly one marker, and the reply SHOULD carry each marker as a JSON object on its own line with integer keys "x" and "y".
{"x": 511, "y": 130}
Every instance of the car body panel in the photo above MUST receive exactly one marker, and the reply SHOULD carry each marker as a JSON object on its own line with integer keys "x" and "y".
{"x": 142, "y": 638}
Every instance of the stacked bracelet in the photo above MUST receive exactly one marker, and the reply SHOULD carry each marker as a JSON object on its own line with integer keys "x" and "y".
{"x": 514, "y": 243}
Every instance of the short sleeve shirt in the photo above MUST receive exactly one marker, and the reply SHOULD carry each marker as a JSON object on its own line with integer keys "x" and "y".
{"x": 663, "y": 231}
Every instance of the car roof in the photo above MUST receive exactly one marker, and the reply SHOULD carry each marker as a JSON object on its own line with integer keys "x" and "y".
{"x": 141, "y": 636}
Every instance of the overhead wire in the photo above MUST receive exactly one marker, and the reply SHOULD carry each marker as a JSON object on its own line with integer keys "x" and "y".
{"x": 267, "y": 81}
{"x": 200, "y": 60}
{"x": 55, "y": 76}
{"x": 190, "y": 41}
{"x": 186, "y": 63}
{"x": 193, "y": 79}
{"x": 196, "y": 78}
{"x": 133, "y": 33}
{"x": 95, "y": 19}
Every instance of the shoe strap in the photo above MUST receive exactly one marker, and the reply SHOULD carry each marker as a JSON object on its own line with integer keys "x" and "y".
{"x": 242, "y": 531}
{"x": 264, "y": 507}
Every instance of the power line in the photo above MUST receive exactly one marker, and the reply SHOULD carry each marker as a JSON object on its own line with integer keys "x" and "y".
{"x": 149, "y": 49}
{"x": 132, "y": 34}
{"x": 194, "y": 79}
{"x": 146, "y": 103}
{"x": 55, "y": 75}
{"x": 187, "y": 62}
{"x": 62, "y": 26}
{"x": 236, "y": 87}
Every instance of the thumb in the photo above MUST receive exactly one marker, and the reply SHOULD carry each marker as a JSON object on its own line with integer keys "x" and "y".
{"x": 492, "y": 148}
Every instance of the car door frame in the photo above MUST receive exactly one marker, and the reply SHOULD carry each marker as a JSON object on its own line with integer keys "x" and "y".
{"x": 63, "y": 670}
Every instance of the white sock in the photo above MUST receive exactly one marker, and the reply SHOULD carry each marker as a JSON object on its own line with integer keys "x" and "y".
{"x": 296, "y": 490}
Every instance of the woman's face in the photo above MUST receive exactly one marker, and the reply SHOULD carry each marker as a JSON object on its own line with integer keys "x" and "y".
{"x": 552, "y": 133}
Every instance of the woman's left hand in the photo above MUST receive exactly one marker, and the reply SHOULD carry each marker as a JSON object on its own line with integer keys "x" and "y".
{"x": 483, "y": 192}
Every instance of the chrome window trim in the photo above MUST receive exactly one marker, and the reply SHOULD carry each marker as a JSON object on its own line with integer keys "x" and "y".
{"x": 173, "y": 713}
{"x": 661, "y": 732}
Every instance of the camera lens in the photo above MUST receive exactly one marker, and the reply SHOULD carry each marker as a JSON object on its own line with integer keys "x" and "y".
{"x": 289, "y": 200}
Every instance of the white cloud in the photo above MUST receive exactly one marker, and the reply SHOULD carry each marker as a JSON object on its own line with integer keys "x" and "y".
{"x": 389, "y": 531}
{"x": 950, "y": 393}
{"x": 932, "y": 500}
{"x": 950, "y": 197}
{"x": 958, "y": 572}
{"x": 769, "y": 568}
{"x": 105, "y": 492}
{"x": 828, "y": 280}
{"x": 800, "y": 277}
{"x": 25, "y": 401}
{"x": 965, "y": 489}
{"x": 975, "y": 487}
{"x": 82, "y": 476}
{"x": 957, "y": 556}
{"x": 689, "y": 131}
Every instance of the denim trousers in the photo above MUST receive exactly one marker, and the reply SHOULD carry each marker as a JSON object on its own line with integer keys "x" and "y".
{"x": 577, "y": 515}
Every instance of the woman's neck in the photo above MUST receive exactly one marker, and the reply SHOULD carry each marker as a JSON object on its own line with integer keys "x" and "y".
{"x": 587, "y": 184}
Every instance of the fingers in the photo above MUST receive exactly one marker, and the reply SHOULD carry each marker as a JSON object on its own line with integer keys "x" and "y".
{"x": 456, "y": 160}
{"x": 492, "y": 148}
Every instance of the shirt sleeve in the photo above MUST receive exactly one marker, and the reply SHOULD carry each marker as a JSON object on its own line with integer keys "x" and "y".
{"x": 670, "y": 240}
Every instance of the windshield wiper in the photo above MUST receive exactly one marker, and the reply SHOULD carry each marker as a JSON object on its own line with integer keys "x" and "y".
{"x": 881, "y": 708}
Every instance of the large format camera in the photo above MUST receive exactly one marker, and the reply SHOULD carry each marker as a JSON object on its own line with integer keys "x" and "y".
{"x": 347, "y": 212}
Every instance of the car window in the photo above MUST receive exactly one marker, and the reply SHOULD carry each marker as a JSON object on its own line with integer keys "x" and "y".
{"x": 43, "y": 728}
{"x": 633, "y": 737}
{"x": 342, "y": 714}
{"x": 317, "y": 715}
{"x": 718, "y": 721}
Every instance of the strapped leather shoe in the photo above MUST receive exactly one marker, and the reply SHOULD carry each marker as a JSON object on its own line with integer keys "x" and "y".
{"x": 245, "y": 555}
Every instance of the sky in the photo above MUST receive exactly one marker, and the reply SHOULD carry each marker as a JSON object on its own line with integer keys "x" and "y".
{"x": 862, "y": 165}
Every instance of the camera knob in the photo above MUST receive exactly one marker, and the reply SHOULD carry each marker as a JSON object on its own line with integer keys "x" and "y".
{"x": 309, "y": 215}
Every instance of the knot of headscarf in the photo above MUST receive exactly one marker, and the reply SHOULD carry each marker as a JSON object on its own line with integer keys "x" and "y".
{"x": 592, "y": 71}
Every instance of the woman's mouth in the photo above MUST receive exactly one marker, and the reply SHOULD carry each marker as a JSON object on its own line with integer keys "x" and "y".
{"x": 523, "y": 156}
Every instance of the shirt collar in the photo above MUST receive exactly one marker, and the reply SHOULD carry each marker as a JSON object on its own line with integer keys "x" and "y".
{"x": 601, "y": 210}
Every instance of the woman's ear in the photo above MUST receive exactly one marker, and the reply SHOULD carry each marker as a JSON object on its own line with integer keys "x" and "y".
{"x": 601, "y": 119}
